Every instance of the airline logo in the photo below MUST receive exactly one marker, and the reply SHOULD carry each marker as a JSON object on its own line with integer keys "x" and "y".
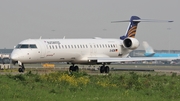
{"x": 132, "y": 31}
{"x": 52, "y": 42}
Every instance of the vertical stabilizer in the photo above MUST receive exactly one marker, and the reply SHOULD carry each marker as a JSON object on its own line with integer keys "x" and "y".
{"x": 148, "y": 49}
{"x": 131, "y": 30}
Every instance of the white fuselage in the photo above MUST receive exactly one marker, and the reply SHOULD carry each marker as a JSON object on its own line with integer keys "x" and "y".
{"x": 67, "y": 50}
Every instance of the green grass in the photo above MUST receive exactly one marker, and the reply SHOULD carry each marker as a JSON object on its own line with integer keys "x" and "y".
{"x": 62, "y": 86}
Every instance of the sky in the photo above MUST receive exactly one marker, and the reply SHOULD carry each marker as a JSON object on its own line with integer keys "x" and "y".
{"x": 25, "y": 19}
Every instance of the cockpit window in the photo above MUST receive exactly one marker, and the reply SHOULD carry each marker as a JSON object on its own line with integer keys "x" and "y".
{"x": 18, "y": 46}
{"x": 33, "y": 46}
{"x": 25, "y": 46}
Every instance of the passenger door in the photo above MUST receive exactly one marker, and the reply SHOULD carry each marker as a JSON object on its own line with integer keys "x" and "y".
{"x": 42, "y": 49}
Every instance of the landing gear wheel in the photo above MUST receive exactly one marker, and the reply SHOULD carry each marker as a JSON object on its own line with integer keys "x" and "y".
{"x": 21, "y": 69}
{"x": 102, "y": 69}
{"x": 71, "y": 68}
{"x": 107, "y": 69}
{"x": 76, "y": 68}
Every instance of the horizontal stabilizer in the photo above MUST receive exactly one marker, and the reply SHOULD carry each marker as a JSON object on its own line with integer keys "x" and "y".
{"x": 143, "y": 20}
{"x": 133, "y": 23}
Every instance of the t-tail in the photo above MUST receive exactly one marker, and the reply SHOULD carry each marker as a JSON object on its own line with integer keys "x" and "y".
{"x": 133, "y": 23}
{"x": 131, "y": 30}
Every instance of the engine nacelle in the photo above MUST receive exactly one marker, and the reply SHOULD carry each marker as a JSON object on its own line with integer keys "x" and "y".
{"x": 131, "y": 43}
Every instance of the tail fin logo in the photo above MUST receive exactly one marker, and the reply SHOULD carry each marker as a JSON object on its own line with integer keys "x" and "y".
{"x": 132, "y": 31}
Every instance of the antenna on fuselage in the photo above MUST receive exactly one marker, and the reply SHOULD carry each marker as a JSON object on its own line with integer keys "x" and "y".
{"x": 40, "y": 37}
{"x": 64, "y": 37}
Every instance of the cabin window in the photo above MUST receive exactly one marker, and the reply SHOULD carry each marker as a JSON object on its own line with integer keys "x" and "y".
{"x": 59, "y": 47}
{"x": 103, "y": 45}
{"x": 109, "y": 46}
{"x": 71, "y": 46}
{"x": 94, "y": 46}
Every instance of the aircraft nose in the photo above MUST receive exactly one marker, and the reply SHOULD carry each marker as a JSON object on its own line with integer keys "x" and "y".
{"x": 14, "y": 57}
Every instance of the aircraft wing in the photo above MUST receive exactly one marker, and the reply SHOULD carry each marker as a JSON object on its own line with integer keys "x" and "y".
{"x": 110, "y": 59}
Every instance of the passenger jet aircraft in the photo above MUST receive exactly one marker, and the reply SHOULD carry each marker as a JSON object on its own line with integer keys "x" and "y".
{"x": 80, "y": 51}
{"x": 149, "y": 52}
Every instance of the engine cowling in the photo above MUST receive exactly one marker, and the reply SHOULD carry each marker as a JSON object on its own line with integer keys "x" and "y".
{"x": 131, "y": 43}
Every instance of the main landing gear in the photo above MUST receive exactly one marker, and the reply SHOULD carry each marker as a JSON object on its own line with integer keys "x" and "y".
{"x": 104, "y": 69}
{"x": 21, "y": 68}
{"x": 73, "y": 68}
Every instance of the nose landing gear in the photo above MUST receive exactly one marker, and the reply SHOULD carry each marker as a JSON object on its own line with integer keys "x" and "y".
{"x": 73, "y": 68}
{"x": 21, "y": 68}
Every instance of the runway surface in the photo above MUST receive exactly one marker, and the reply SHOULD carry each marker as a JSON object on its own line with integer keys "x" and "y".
{"x": 94, "y": 69}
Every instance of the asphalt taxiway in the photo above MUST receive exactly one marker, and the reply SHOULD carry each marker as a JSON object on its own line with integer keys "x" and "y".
{"x": 94, "y": 69}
